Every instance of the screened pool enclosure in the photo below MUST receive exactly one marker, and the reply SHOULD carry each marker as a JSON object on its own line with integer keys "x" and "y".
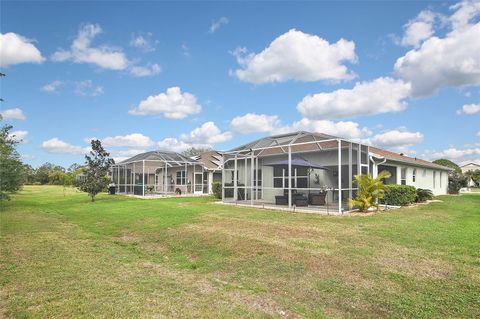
{"x": 302, "y": 170}
{"x": 159, "y": 173}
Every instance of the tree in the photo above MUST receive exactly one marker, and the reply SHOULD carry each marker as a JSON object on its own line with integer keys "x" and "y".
{"x": 370, "y": 191}
{"x": 44, "y": 172}
{"x": 11, "y": 168}
{"x": 448, "y": 163}
{"x": 455, "y": 182}
{"x": 474, "y": 176}
{"x": 97, "y": 165}
{"x": 195, "y": 151}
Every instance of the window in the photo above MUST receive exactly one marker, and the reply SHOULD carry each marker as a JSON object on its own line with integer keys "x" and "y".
{"x": 424, "y": 172}
{"x": 434, "y": 178}
{"x": 299, "y": 177}
{"x": 414, "y": 175}
{"x": 181, "y": 178}
{"x": 403, "y": 176}
{"x": 259, "y": 174}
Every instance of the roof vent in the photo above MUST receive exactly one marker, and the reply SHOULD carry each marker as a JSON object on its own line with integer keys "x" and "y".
{"x": 401, "y": 154}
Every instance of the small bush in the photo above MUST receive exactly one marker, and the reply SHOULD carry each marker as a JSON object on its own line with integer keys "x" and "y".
{"x": 217, "y": 190}
{"x": 423, "y": 195}
{"x": 400, "y": 195}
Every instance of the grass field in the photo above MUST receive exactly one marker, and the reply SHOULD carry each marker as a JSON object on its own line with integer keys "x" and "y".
{"x": 65, "y": 257}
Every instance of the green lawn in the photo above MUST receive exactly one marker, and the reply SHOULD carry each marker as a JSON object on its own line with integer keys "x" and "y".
{"x": 65, "y": 257}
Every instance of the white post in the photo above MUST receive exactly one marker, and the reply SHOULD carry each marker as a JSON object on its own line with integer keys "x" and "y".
{"x": 165, "y": 179}
{"x": 118, "y": 177}
{"x": 256, "y": 178}
{"x": 289, "y": 177}
{"x": 186, "y": 178}
{"x": 350, "y": 177}
{"x": 143, "y": 178}
{"x": 339, "y": 176}
{"x": 125, "y": 177}
{"x": 133, "y": 179}
{"x": 223, "y": 177}
{"x": 245, "y": 176}
{"x": 252, "y": 161}
{"x": 235, "y": 189}
{"x": 359, "y": 159}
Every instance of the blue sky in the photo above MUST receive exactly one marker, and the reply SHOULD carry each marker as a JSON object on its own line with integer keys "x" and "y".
{"x": 140, "y": 76}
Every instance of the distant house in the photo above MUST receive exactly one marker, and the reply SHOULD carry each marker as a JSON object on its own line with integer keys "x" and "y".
{"x": 469, "y": 167}
{"x": 212, "y": 163}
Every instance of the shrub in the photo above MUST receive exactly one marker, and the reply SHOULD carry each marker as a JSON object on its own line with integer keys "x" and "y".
{"x": 370, "y": 190}
{"x": 424, "y": 194}
{"x": 400, "y": 195}
{"x": 217, "y": 189}
{"x": 455, "y": 182}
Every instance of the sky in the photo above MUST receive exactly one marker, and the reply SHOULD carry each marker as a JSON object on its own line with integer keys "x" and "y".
{"x": 141, "y": 76}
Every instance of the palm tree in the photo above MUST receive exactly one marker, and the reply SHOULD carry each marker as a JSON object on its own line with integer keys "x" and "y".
{"x": 370, "y": 190}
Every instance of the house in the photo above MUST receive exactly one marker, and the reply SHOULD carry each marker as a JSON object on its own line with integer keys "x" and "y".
{"x": 300, "y": 170}
{"x": 160, "y": 172}
{"x": 212, "y": 163}
{"x": 304, "y": 170}
{"x": 469, "y": 167}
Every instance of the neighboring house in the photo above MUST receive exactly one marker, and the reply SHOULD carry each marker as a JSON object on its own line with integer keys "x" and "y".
{"x": 212, "y": 163}
{"x": 469, "y": 167}
{"x": 314, "y": 170}
{"x": 160, "y": 172}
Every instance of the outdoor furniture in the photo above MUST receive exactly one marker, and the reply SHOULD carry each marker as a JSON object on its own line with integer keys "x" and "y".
{"x": 317, "y": 199}
{"x": 281, "y": 200}
{"x": 298, "y": 199}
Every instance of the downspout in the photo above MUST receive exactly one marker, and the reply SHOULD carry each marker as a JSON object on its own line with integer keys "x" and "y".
{"x": 375, "y": 165}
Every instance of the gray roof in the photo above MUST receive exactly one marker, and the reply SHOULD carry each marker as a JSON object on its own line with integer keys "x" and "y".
{"x": 160, "y": 156}
{"x": 284, "y": 139}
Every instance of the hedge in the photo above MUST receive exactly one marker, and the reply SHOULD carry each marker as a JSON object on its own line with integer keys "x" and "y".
{"x": 399, "y": 195}
{"x": 217, "y": 190}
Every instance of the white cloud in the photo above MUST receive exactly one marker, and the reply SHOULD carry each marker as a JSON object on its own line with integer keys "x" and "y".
{"x": 13, "y": 114}
{"x": 251, "y": 123}
{"x": 148, "y": 70}
{"x": 16, "y": 49}
{"x": 175, "y": 145}
{"x": 185, "y": 49}
{"x": 469, "y": 109}
{"x": 87, "y": 88}
{"x": 295, "y": 55}
{"x": 344, "y": 129}
{"x": 58, "y": 146}
{"x": 366, "y": 98}
{"x": 81, "y": 51}
{"x": 121, "y": 155}
{"x": 465, "y": 11}
{"x": 52, "y": 87}
{"x": 207, "y": 133}
{"x": 144, "y": 42}
{"x": 397, "y": 138}
{"x": 27, "y": 157}
{"x": 419, "y": 29}
{"x": 135, "y": 140}
{"x": 19, "y": 136}
{"x": 453, "y": 153}
{"x": 173, "y": 104}
{"x": 449, "y": 61}
{"x": 217, "y": 24}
